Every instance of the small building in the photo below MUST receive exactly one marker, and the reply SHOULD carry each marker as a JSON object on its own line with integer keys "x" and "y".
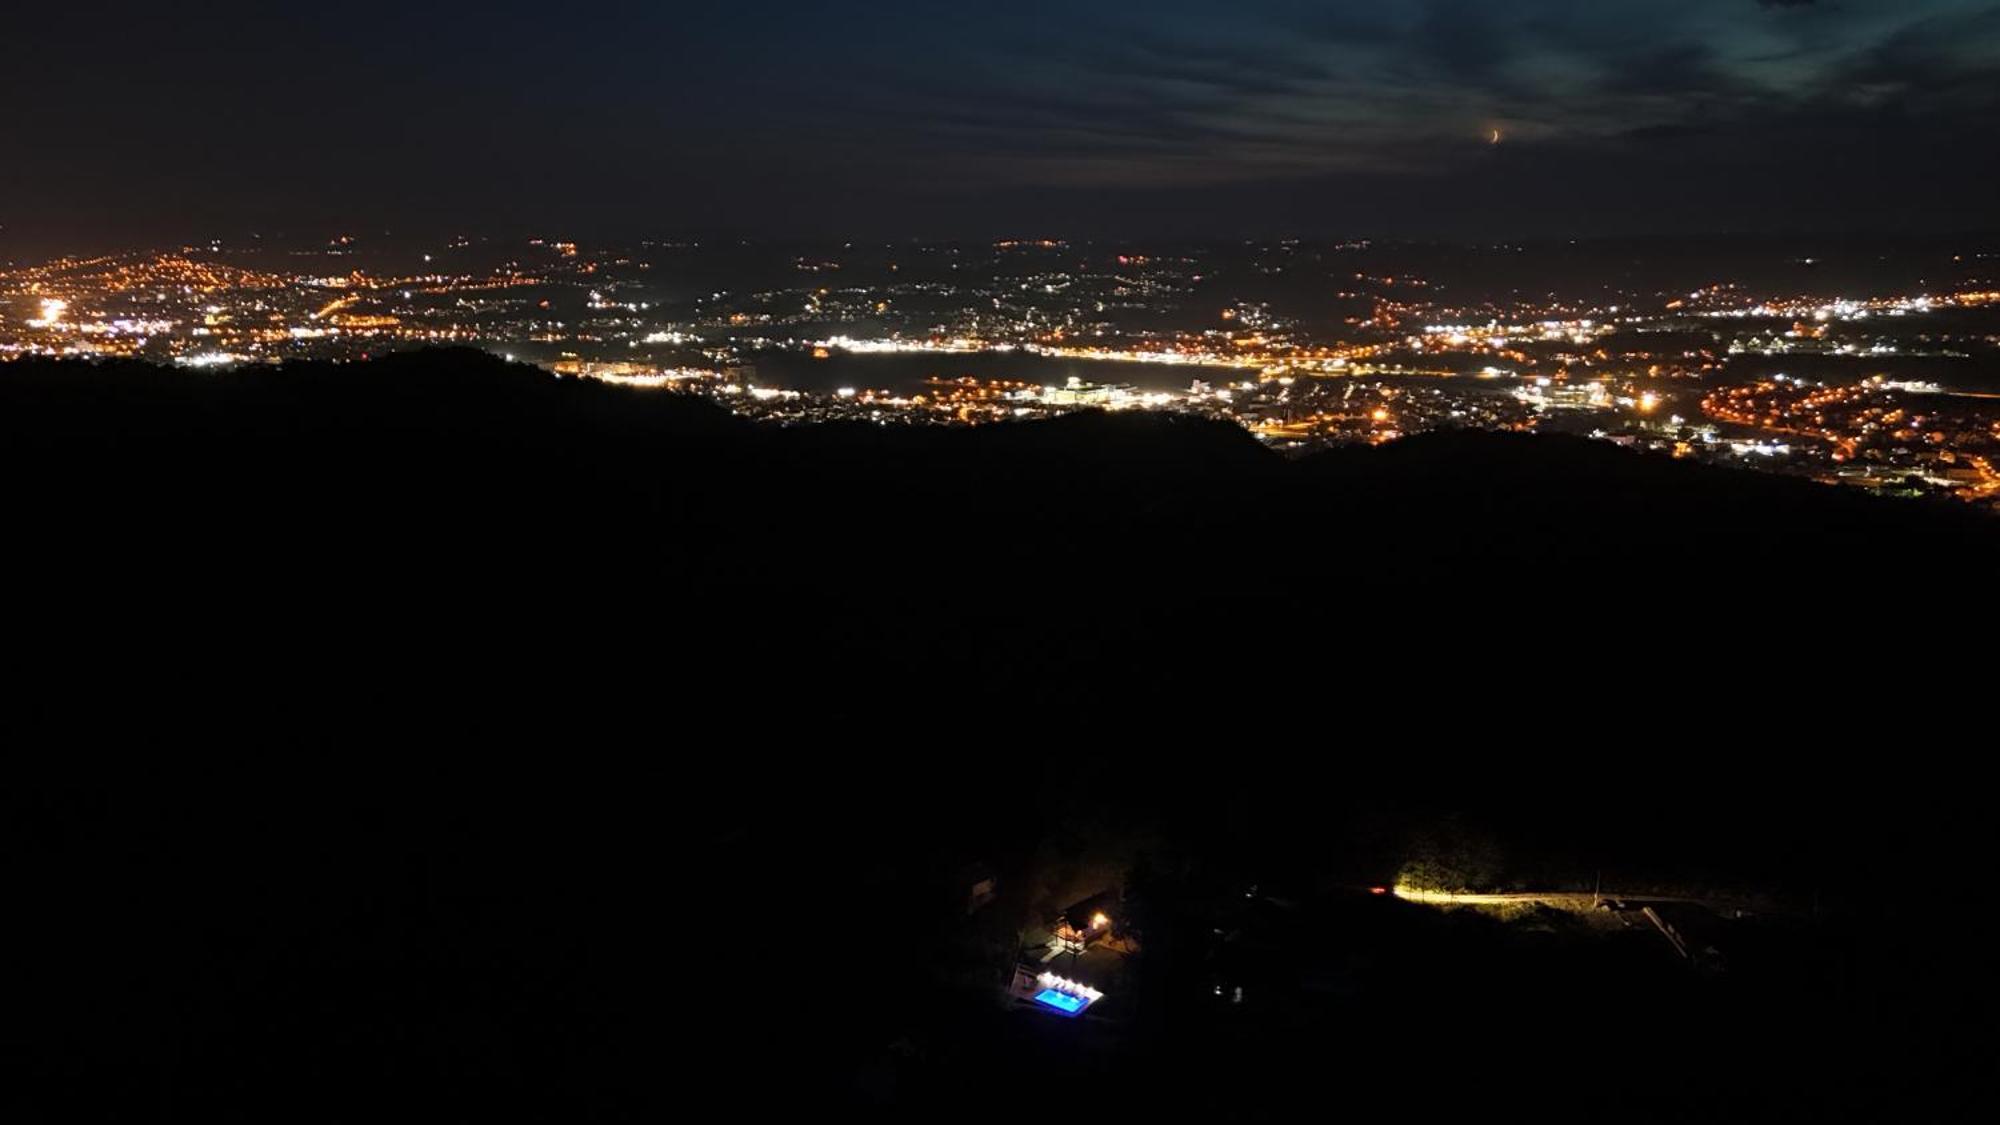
{"x": 1093, "y": 919}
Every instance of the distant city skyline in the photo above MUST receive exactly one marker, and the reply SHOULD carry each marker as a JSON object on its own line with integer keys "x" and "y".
{"x": 1868, "y": 365}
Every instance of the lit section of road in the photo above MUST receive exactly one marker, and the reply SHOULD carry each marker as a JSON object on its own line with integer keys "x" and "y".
{"x": 1564, "y": 899}
{"x": 1561, "y": 900}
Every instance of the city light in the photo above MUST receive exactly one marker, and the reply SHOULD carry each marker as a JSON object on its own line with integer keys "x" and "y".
{"x": 1648, "y": 376}
{"x": 52, "y": 313}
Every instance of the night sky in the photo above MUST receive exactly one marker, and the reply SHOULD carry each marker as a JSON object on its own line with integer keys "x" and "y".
{"x": 1029, "y": 117}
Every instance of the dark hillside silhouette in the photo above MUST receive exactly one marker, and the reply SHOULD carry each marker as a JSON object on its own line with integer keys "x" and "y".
{"x": 433, "y": 734}
{"x": 486, "y": 506}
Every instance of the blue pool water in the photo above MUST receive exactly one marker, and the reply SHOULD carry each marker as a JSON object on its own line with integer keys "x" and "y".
{"x": 1061, "y": 1001}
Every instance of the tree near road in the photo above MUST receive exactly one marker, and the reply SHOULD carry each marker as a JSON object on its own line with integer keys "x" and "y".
{"x": 1451, "y": 856}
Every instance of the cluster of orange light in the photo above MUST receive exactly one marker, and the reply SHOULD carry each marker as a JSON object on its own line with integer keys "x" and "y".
{"x": 1850, "y": 418}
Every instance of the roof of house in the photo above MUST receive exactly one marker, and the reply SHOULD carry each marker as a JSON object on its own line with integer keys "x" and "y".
{"x": 1078, "y": 914}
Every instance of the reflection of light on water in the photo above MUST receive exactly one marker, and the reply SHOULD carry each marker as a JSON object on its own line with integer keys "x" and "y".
{"x": 1060, "y": 1001}
{"x": 1066, "y": 996}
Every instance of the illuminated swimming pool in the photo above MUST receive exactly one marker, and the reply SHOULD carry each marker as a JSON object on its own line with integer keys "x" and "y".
{"x": 1061, "y": 1001}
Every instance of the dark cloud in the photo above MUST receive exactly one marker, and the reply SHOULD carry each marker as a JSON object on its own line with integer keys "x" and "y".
{"x": 1464, "y": 38}
{"x": 1676, "y": 70}
{"x": 773, "y": 114}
